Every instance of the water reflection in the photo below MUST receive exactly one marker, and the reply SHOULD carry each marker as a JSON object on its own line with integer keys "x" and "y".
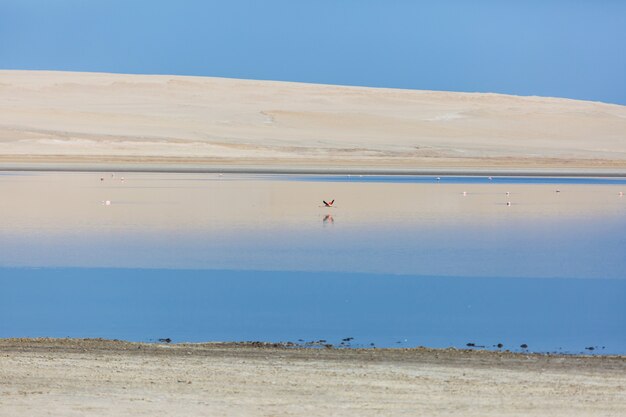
{"x": 195, "y": 221}
{"x": 234, "y": 257}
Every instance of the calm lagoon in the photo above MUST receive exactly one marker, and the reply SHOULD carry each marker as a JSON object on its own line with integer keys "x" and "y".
{"x": 398, "y": 261}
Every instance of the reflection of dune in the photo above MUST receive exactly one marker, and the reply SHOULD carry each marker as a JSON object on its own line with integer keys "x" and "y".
{"x": 230, "y": 221}
{"x": 192, "y": 202}
{"x": 194, "y": 119}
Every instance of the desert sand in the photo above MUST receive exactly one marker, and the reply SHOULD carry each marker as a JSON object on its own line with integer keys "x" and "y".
{"x": 95, "y": 120}
{"x": 108, "y": 378}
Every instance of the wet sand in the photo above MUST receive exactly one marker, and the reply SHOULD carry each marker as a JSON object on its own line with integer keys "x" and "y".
{"x": 98, "y": 377}
{"x": 479, "y": 168}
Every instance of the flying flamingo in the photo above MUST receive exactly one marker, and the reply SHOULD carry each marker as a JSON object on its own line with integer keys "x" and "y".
{"x": 328, "y": 204}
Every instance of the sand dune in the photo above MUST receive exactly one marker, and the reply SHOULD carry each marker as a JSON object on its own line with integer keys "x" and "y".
{"x": 60, "y": 117}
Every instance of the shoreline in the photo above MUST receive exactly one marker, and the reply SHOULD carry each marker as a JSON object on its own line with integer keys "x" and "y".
{"x": 84, "y": 344}
{"x": 312, "y": 170}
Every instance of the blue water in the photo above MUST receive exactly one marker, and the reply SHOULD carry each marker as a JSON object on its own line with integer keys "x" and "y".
{"x": 560, "y": 315}
{"x": 429, "y": 179}
{"x": 241, "y": 257}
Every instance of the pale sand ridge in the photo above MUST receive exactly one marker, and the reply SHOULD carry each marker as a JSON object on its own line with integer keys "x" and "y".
{"x": 52, "y": 118}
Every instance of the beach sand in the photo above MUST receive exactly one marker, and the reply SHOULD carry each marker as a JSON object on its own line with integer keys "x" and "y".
{"x": 110, "y": 378}
{"x": 112, "y": 121}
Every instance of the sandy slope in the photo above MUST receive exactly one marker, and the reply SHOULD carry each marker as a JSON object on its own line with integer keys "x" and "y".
{"x": 88, "y": 378}
{"x": 89, "y": 117}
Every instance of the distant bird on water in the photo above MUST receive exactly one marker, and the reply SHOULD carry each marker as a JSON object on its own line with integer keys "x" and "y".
{"x": 328, "y": 204}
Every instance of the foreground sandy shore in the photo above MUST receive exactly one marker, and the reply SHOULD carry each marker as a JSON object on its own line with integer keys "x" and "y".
{"x": 110, "y": 378}
{"x": 119, "y": 121}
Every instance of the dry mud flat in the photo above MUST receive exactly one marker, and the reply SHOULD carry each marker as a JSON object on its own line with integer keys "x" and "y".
{"x": 109, "y": 378}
